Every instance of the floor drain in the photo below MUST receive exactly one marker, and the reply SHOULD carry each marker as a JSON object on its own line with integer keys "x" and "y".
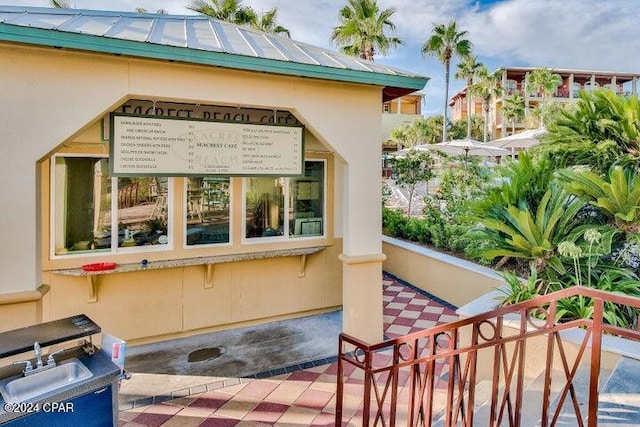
{"x": 203, "y": 354}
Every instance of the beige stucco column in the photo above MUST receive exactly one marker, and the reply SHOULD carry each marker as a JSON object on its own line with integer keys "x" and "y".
{"x": 362, "y": 248}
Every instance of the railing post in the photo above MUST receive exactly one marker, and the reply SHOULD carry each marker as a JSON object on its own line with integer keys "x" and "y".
{"x": 368, "y": 379}
{"x": 339, "y": 383}
{"x": 394, "y": 386}
{"x": 521, "y": 348}
{"x": 596, "y": 350}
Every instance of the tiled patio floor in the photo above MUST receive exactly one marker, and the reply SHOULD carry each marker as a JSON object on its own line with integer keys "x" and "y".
{"x": 302, "y": 398}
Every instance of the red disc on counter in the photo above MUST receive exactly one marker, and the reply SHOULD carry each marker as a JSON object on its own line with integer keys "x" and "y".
{"x": 99, "y": 266}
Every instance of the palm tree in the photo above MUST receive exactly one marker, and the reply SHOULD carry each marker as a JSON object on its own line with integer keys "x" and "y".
{"x": 225, "y": 10}
{"x": 513, "y": 110}
{"x": 445, "y": 43}
{"x": 268, "y": 23}
{"x": 363, "y": 29}
{"x": 60, "y": 4}
{"x": 542, "y": 81}
{"x": 467, "y": 69}
{"x": 143, "y": 10}
{"x": 486, "y": 87}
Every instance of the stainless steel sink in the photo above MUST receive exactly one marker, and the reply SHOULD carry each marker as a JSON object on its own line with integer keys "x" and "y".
{"x": 37, "y": 384}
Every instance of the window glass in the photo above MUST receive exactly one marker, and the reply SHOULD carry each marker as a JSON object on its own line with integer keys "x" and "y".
{"x": 207, "y": 210}
{"x": 82, "y": 205}
{"x": 302, "y": 198}
{"x": 264, "y": 201}
{"x": 142, "y": 211}
{"x": 307, "y": 201}
{"x": 88, "y": 205}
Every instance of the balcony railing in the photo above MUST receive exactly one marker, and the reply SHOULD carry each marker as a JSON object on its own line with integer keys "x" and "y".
{"x": 430, "y": 377}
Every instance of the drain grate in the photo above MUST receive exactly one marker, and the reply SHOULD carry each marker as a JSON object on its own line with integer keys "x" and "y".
{"x": 203, "y": 354}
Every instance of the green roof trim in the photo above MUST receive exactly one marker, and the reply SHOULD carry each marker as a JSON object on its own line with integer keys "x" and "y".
{"x": 91, "y": 43}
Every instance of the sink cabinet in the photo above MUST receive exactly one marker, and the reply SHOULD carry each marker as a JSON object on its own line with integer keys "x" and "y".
{"x": 92, "y": 409}
{"x": 81, "y": 390}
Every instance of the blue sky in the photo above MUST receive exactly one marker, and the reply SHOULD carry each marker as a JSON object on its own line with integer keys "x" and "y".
{"x": 578, "y": 34}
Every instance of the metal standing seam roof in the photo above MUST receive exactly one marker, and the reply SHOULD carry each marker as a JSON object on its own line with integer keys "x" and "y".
{"x": 192, "y": 38}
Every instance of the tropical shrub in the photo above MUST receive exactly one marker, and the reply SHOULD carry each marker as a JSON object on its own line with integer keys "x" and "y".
{"x": 518, "y": 290}
{"x": 617, "y": 195}
{"x": 518, "y": 231}
{"x": 412, "y": 169}
{"x": 602, "y": 130}
{"x": 521, "y": 183}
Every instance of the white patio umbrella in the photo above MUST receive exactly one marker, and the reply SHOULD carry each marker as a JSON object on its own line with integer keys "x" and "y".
{"x": 525, "y": 139}
{"x": 468, "y": 147}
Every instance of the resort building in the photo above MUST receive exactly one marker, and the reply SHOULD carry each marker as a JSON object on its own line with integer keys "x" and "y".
{"x": 398, "y": 112}
{"x": 170, "y": 174}
{"x": 514, "y": 80}
{"x": 459, "y": 106}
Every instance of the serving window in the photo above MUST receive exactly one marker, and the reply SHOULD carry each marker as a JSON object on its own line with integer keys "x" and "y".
{"x": 207, "y": 210}
{"x": 93, "y": 212}
{"x": 282, "y": 208}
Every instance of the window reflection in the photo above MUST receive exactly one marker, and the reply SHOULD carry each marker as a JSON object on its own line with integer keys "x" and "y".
{"x": 265, "y": 207}
{"x": 142, "y": 211}
{"x": 82, "y": 204}
{"x": 305, "y": 204}
{"x": 307, "y": 194}
{"x": 207, "y": 210}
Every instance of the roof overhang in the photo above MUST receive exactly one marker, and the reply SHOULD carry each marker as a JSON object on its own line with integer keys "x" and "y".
{"x": 394, "y": 85}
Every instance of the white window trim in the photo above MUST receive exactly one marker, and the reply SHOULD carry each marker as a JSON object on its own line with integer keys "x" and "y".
{"x": 285, "y": 237}
{"x": 114, "y": 250}
{"x": 184, "y": 219}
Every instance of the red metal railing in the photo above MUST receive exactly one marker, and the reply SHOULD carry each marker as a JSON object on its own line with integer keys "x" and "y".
{"x": 430, "y": 377}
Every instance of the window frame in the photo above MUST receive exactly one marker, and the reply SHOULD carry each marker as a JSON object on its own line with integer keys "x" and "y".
{"x": 186, "y": 214}
{"x": 114, "y": 249}
{"x": 286, "y": 237}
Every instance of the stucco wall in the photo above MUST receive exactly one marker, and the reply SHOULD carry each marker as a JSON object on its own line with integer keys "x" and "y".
{"x": 53, "y": 98}
{"x": 452, "y": 279}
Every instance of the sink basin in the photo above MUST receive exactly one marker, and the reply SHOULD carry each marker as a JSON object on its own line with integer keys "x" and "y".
{"x": 24, "y": 388}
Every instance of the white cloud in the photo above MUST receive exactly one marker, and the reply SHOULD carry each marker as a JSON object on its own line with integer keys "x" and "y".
{"x": 581, "y": 34}
{"x": 597, "y": 35}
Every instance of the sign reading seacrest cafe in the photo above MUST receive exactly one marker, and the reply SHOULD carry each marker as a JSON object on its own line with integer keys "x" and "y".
{"x": 206, "y": 112}
{"x": 174, "y": 139}
{"x": 144, "y": 145}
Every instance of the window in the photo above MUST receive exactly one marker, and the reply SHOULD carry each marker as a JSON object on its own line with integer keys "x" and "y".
{"x": 207, "y": 210}
{"x": 88, "y": 205}
{"x": 301, "y": 198}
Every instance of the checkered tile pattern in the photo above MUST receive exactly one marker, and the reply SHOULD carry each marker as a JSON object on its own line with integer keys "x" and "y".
{"x": 407, "y": 310}
{"x": 301, "y": 398}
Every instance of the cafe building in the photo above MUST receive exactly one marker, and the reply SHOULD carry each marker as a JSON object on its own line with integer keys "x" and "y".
{"x": 167, "y": 175}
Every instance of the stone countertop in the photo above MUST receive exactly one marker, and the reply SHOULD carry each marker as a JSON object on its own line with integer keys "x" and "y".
{"x": 104, "y": 372}
{"x": 49, "y": 333}
{"x": 186, "y": 262}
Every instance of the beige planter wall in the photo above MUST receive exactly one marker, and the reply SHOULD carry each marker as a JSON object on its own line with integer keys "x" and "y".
{"x": 452, "y": 279}
{"x": 56, "y": 100}
{"x": 473, "y": 288}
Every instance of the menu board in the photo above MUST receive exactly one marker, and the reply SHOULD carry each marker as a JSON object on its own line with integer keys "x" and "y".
{"x": 176, "y": 147}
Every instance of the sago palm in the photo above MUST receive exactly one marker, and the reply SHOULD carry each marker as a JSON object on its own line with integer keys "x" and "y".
{"x": 444, "y": 43}
{"x": 364, "y": 29}
{"x": 617, "y": 195}
{"x": 518, "y": 232}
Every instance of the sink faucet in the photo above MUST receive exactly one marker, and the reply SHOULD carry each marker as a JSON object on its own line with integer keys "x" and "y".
{"x": 29, "y": 369}
{"x": 36, "y": 348}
